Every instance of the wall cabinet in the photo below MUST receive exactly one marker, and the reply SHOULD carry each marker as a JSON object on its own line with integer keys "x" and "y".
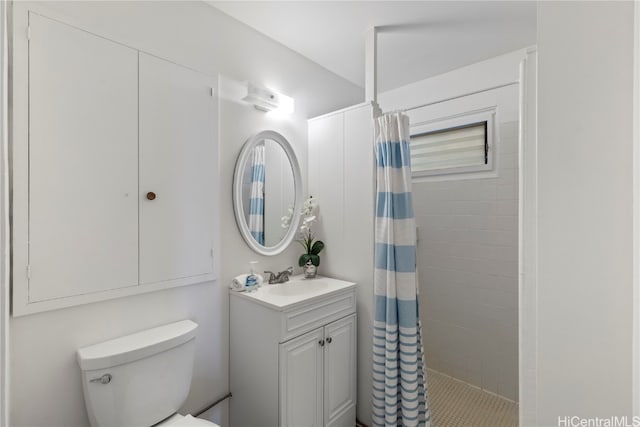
{"x": 99, "y": 127}
{"x": 342, "y": 177}
{"x": 296, "y": 366}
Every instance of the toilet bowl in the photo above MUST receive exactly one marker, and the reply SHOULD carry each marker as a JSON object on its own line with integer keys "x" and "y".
{"x": 142, "y": 379}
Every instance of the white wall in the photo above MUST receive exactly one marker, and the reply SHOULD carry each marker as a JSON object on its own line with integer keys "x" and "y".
{"x": 45, "y": 382}
{"x": 585, "y": 78}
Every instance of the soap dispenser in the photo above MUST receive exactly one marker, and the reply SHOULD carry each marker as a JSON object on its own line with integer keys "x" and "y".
{"x": 252, "y": 279}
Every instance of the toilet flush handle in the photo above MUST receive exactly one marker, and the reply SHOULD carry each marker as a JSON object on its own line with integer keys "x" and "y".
{"x": 105, "y": 379}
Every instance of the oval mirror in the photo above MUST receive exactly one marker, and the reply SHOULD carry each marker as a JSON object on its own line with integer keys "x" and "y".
{"x": 267, "y": 193}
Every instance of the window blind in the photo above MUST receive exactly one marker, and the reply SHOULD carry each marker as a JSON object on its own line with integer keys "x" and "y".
{"x": 457, "y": 147}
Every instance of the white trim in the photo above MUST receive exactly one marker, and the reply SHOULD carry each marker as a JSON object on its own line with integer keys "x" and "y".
{"x": 23, "y": 307}
{"x": 4, "y": 218}
{"x": 528, "y": 240}
{"x": 476, "y": 103}
{"x": 241, "y": 163}
{"x": 635, "y": 394}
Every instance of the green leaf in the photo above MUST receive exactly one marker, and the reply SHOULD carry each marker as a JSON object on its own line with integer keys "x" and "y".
{"x": 303, "y": 259}
{"x": 307, "y": 242}
{"x": 317, "y": 247}
{"x": 315, "y": 259}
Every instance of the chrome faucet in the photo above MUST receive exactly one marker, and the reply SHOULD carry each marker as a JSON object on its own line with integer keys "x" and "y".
{"x": 281, "y": 277}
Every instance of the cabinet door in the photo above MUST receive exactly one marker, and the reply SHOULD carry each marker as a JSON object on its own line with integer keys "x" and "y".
{"x": 301, "y": 380}
{"x": 340, "y": 373}
{"x": 83, "y": 162}
{"x": 178, "y": 164}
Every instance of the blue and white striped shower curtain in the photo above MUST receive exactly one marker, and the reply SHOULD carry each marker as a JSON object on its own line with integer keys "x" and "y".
{"x": 256, "y": 201}
{"x": 399, "y": 378}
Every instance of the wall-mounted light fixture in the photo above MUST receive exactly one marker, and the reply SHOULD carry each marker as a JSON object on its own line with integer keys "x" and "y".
{"x": 268, "y": 100}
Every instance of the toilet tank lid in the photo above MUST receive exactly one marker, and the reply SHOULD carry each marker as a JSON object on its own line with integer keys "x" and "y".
{"x": 136, "y": 346}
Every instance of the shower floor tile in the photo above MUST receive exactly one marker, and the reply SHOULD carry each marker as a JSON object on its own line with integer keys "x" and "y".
{"x": 453, "y": 403}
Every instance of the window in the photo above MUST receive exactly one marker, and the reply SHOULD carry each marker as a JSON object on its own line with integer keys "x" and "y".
{"x": 453, "y": 146}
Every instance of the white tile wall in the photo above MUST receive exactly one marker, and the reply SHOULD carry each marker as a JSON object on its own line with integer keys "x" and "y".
{"x": 468, "y": 272}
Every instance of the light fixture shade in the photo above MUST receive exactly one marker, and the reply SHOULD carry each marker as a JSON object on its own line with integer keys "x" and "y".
{"x": 267, "y": 99}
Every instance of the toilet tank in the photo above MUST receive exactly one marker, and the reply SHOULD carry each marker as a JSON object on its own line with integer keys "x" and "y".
{"x": 138, "y": 379}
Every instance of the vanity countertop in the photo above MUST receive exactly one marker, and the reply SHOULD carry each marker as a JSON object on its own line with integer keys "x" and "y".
{"x": 296, "y": 291}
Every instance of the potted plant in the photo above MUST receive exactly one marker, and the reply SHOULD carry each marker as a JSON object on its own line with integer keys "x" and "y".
{"x": 310, "y": 260}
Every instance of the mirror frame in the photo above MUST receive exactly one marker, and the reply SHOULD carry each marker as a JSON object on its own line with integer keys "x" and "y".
{"x": 241, "y": 163}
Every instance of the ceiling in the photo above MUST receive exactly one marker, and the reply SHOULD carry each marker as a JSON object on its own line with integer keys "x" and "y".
{"x": 417, "y": 39}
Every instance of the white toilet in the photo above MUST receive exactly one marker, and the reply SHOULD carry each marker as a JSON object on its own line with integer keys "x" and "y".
{"x": 140, "y": 380}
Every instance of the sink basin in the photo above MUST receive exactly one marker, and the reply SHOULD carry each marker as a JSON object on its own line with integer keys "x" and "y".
{"x": 294, "y": 292}
{"x": 297, "y": 288}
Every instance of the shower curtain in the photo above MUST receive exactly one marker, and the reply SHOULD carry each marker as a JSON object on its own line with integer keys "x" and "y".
{"x": 256, "y": 201}
{"x": 399, "y": 379}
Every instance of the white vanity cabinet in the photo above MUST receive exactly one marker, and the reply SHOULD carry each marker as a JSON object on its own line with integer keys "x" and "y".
{"x": 114, "y": 169}
{"x": 317, "y": 376}
{"x": 293, "y": 357}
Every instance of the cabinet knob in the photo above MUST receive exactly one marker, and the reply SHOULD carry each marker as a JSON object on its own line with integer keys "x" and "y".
{"x": 151, "y": 195}
{"x": 329, "y": 339}
{"x": 321, "y": 342}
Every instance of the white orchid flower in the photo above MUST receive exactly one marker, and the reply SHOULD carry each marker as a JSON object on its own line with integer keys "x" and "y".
{"x": 307, "y": 217}
{"x": 308, "y": 206}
